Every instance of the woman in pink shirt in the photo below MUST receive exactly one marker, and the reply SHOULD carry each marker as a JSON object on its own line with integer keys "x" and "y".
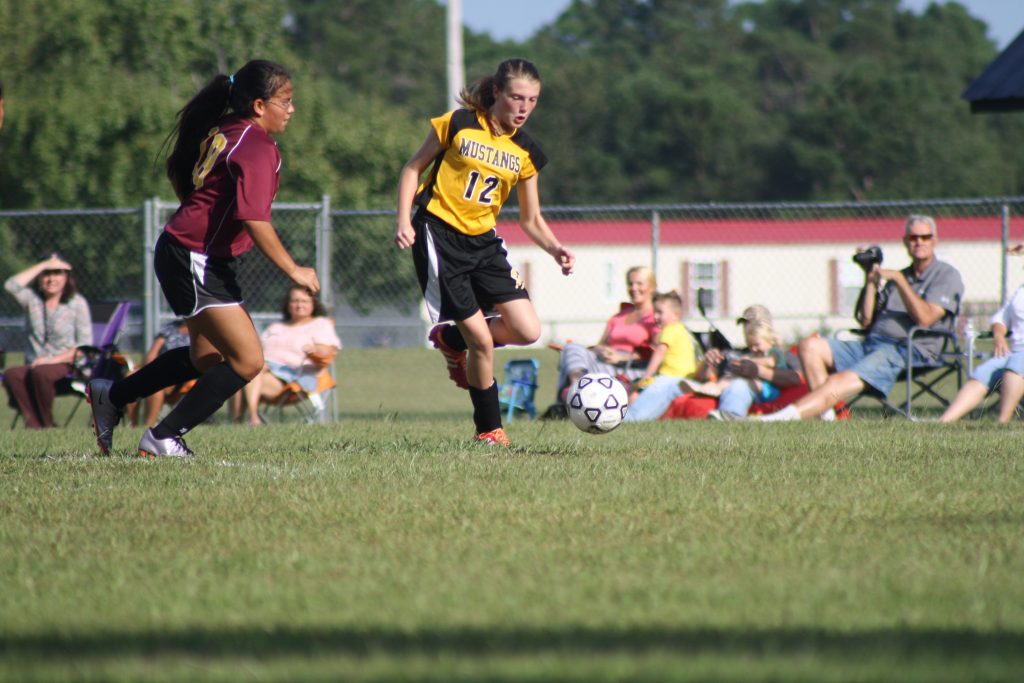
{"x": 296, "y": 349}
{"x": 627, "y": 341}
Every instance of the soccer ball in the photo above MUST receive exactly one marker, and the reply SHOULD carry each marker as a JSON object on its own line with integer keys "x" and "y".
{"x": 597, "y": 403}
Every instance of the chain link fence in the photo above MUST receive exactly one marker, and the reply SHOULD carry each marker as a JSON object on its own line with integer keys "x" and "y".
{"x": 793, "y": 258}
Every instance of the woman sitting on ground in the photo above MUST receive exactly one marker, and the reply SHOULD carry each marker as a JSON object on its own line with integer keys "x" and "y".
{"x": 296, "y": 349}
{"x": 627, "y": 342}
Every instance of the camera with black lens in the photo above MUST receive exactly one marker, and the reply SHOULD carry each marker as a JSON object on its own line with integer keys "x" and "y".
{"x": 868, "y": 258}
{"x": 728, "y": 357}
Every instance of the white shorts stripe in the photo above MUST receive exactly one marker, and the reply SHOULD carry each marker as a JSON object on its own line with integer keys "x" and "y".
{"x": 203, "y": 298}
{"x": 432, "y": 292}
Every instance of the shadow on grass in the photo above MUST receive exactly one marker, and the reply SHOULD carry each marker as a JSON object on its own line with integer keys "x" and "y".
{"x": 942, "y": 645}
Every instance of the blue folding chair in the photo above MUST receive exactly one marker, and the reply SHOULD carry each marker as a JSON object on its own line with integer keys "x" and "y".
{"x": 517, "y": 391}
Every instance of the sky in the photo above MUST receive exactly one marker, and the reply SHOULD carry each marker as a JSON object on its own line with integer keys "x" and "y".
{"x": 519, "y": 19}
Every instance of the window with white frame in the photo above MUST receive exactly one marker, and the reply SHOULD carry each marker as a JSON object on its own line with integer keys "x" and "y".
{"x": 850, "y": 280}
{"x": 612, "y": 283}
{"x": 705, "y": 286}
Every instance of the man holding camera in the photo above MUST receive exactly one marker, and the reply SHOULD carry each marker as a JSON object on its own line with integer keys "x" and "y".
{"x": 926, "y": 293}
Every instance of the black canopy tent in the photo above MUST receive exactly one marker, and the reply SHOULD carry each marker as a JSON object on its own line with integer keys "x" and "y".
{"x": 1000, "y": 87}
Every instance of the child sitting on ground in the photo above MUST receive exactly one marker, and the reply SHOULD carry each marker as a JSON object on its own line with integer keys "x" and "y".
{"x": 760, "y": 359}
{"x": 673, "y": 359}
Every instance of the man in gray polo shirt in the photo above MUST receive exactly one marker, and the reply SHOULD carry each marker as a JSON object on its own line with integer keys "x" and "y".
{"x": 926, "y": 293}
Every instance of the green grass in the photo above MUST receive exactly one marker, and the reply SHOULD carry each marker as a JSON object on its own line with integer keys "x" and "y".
{"x": 387, "y": 547}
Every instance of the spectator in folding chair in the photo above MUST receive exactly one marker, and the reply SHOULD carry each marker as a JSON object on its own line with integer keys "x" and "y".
{"x": 1006, "y": 367}
{"x": 173, "y": 335}
{"x": 58, "y": 322}
{"x": 626, "y": 345}
{"x": 927, "y": 294}
{"x": 297, "y": 349}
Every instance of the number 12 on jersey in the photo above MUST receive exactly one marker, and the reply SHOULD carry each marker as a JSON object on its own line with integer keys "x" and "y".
{"x": 490, "y": 184}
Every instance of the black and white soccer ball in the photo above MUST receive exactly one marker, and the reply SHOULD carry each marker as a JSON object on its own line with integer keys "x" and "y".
{"x": 597, "y": 403}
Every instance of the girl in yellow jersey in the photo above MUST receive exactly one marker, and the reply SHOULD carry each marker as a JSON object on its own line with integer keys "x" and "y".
{"x": 478, "y": 154}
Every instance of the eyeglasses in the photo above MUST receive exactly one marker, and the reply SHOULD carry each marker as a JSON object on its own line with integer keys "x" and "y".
{"x": 284, "y": 104}
{"x": 920, "y": 238}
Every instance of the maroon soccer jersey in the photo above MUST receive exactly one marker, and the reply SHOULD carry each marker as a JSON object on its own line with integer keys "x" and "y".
{"x": 235, "y": 179}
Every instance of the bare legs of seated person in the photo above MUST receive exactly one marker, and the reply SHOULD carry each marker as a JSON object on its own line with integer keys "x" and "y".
{"x": 264, "y": 386}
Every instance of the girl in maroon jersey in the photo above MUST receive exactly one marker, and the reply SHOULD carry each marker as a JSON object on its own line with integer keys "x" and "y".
{"x": 224, "y": 168}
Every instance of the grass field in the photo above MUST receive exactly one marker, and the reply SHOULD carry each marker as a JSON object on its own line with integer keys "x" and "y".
{"x": 387, "y": 547}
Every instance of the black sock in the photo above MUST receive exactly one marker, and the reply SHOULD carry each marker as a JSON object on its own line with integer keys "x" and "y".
{"x": 215, "y": 386}
{"x": 167, "y": 370}
{"x": 486, "y": 409}
{"x": 451, "y": 336}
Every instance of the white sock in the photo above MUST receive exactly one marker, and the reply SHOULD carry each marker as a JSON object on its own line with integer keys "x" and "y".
{"x": 829, "y": 415}
{"x": 786, "y": 414}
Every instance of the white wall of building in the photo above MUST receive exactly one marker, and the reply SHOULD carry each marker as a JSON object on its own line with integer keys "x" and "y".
{"x": 793, "y": 280}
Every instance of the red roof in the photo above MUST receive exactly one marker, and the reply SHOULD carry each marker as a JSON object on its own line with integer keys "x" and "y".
{"x": 760, "y": 231}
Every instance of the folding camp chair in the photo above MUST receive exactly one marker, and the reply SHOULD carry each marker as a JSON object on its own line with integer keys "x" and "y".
{"x": 101, "y": 359}
{"x": 925, "y": 379}
{"x": 312, "y": 406}
{"x": 516, "y": 392}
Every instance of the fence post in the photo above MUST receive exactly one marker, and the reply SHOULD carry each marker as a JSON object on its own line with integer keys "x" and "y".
{"x": 323, "y": 267}
{"x": 148, "y": 295}
{"x": 1004, "y": 256}
{"x": 655, "y": 239}
{"x": 324, "y": 250}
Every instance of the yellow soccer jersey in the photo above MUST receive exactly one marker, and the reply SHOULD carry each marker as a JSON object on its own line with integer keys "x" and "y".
{"x": 472, "y": 177}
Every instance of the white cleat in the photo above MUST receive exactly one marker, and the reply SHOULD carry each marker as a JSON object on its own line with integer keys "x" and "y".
{"x": 152, "y": 447}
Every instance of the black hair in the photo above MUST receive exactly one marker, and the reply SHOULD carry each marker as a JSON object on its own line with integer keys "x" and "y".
{"x": 319, "y": 310}
{"x": 257, "y": 80}
{"x": 480, "y": 95}
{"x": 69, "y": 291}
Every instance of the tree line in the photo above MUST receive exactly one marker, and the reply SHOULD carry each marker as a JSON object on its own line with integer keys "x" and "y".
{"x": 643, "y": 100}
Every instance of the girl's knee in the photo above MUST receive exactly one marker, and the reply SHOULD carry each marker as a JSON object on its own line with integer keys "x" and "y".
{"x": 529, "y": 336}
{"x": 480, "y": 345}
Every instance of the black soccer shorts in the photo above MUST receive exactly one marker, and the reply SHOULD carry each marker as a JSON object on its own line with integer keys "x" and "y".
{"x": 462, "y": 274}
{"x": 192, "y": 282}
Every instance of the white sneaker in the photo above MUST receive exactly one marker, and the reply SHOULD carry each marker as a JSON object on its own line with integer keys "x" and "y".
{"x": 828, "y": 416}
{"x": 788, "y": 413}
{"x": 152, "y": 447}
{"x": 105, "y": 415}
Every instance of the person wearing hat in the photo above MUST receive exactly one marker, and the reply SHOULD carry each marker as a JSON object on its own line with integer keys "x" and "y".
{"x": 755, "y": 313}
{"x": 755, "y": 375}
{"x": 58, "y": 322}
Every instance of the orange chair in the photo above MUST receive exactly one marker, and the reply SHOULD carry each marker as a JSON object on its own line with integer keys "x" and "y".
{"x": 310, "y": 405}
